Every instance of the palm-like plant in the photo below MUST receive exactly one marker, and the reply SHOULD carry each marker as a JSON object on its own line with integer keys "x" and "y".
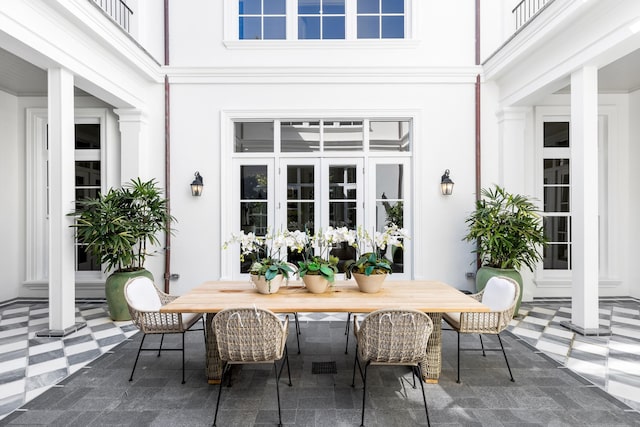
{"x": 118, "y": 226}
{"x": 508, "y": 230}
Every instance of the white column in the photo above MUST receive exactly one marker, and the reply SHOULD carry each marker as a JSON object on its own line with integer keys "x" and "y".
{"x": 511, "y": 149}
{"x": 584, "y": 198}
{"x": 62, "y": 312}
{"x": 133, "y": 141}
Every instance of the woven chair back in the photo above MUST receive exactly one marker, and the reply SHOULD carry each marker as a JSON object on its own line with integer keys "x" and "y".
{"x": 394, "y": 336}
{"x": 249, "y": 335}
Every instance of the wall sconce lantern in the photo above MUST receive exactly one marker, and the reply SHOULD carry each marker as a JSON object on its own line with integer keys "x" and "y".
{"x": 196, "y": 185}
{"x": 446, "y": 185}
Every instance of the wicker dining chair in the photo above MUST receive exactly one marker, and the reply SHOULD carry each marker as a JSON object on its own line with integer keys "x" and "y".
{"x": 251, "y": 335}
{"x": 144, "y": 300}
{"x": 396, "y": 337}
{"x": 500, "y": 295}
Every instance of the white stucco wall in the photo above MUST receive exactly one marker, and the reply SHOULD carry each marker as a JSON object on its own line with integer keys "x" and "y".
{"x": 11, "y": 191}
{"x": 633, "y": 196}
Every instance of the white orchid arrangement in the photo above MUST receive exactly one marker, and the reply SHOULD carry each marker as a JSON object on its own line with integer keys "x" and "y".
{"x": 370, "y": 249}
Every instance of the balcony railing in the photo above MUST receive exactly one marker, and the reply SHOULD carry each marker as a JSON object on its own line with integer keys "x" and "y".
{"x": 527, "y": 9}
{"x": 118, "y": 10}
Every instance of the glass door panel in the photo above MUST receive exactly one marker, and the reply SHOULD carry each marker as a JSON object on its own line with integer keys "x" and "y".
{"x": 390, "y": 198}
{"x": 254, "y": 187}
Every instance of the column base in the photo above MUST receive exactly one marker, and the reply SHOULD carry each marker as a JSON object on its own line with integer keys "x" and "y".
{"x": 600, "y": 332}
{"x": 57, "y": 333}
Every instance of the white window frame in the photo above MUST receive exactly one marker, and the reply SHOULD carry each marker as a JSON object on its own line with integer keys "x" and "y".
{"x": 230, "y": 161}
{"x": 232, "y": 37}
{"x": 37, "y": 231}
{"x": 608, "y": 161}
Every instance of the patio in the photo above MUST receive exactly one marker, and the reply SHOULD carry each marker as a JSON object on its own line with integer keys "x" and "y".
{"x": 545, "y": 391}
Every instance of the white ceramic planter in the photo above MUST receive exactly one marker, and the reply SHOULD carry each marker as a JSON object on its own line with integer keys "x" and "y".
{"x": 369, "y": 284}
{"x": 267, "y": 287}
{"x": 316, "y": 284}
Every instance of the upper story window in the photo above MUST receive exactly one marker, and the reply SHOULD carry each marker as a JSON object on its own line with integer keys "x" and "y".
{"x": 321, "y": 19}
{"x": 261, "y": 19}
{"x": 380, "y": 19}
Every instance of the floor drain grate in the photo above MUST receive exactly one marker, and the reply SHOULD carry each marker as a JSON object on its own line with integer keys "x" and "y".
{"x": 324, "y": 368}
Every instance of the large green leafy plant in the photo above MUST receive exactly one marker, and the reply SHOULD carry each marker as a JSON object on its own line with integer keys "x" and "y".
{"x": 507, "y": 228}
{"x": 119, "y": 227}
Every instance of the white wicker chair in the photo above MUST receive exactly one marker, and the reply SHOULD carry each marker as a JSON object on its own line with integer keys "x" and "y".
{"x": 251, "y": 335}
{"x": 144, "y": 300}
{"x": 500, "y": 294}
{"x": 392, "y": 337}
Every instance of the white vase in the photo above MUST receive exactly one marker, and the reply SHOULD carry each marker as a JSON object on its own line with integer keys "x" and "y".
{"x": 316, "y": 284}
{"x": 369, "y": 284}
{"x": 267, "y": 287}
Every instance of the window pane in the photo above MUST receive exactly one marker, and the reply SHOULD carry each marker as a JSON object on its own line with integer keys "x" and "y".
{"x": 309, "y": 28}
{"x": 368, "y": 27}
{"x": 368, "y": 6}
{"x": 274, "y": 28}
{"x": 274, "y": 7}
{"x": 309, "y": 7}
{"x": 557, "y": 257}
{"x": 87, "y": 136}
{"x": 342, "y": 214}
{"x": 250, "y": 29}
{"x": 556, "y": 199}
{"x": 84, "y": 260}
{"x": 333, "y": 27}
{"x": 88, "y": 173}
{"x": 342, "y": 182}
{"x": 393, "y": 27}
{"x": 253, "y": 217}
{"x": 250, "y": 7}
{"x": 300, "y": 183}
{"x": 334, "y": 7}
{"x": 253, "y": 182}
{"x": 556, "y": 228}
{"x": 556, "y": 171}
{"x": 389, "y": 181}
{"x": 343, "y": 135}
{"x": 300, "y": 216}
{"x": 556, "y": 134}
{"x": 392, "y": 6}
{"x": 253, "y": 137}
{"x": 389, "y": 136}
{"x": 299, "y": 136}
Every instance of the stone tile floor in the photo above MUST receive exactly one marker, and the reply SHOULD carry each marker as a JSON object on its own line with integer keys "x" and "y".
{"x": 82, "y": 379}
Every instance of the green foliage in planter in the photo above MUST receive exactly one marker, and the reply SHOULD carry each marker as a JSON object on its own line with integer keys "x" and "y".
{"x": 368, "y": 264}
{"x": 319, "y": 266}
{"x": 116, "y": 227}
{"x": 507, "y": 229}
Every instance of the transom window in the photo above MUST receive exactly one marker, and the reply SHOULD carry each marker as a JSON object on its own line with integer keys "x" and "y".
{"x": 321, "y": 19}
{"x": 261, "y": 19}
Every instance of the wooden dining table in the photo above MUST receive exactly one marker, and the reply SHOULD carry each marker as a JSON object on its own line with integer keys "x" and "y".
{"x": 431, "y": 297}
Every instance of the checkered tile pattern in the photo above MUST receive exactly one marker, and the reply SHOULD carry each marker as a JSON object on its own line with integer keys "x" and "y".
{"x": 611, "y": 362}
{"x": 30, "y": 365}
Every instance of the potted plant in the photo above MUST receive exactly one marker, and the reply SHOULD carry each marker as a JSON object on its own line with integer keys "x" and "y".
{"x": 118, "y": 228}
{"x": 268, "y": 269}
{"x": 318, "y": 268}
{"x": 372, "y": 267}
{"x": 509, "y": 234}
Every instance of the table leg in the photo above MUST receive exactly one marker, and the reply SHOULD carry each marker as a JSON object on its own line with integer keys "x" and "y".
{"x": 213, "y": 364}
{"x": 433, "y": 363}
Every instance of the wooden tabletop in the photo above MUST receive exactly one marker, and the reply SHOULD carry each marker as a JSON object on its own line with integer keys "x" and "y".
{"x": 344, "y": 296}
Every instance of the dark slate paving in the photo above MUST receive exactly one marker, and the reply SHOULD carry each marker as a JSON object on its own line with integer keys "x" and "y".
{"x": 544, "y": 394}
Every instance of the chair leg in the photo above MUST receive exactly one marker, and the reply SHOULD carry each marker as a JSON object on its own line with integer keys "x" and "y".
{"x": 458, "y": 380}
{"x": 356, "y": 362}
{"x": 482, "y": 345}
{"x": 505, "y": 359}
{"x": 183, "y": 358}
{"x": 346, "y": 332}
{"x": 298, "y": 332}
{"x": 137, "y": 356}
{"x": 160, "y": 348}
{"x": 364, "y": 392}
{"x": 224, "y": 371}
{"x": 424, "y": 398}
{"x": 275, "y": 367}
